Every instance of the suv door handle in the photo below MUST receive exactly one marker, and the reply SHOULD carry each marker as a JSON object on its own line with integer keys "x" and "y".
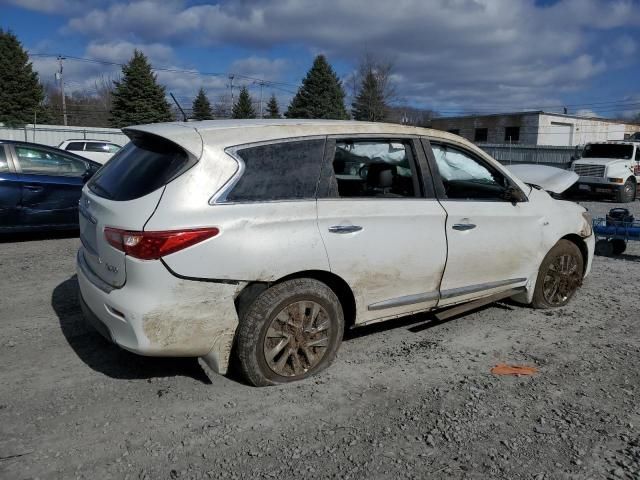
{"x": 463, "y": 226}
{"x": 345, "y": 228}
{"x": 33, "y": 188}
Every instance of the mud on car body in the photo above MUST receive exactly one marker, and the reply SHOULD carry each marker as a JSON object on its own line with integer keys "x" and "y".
{"x": 269, "y": 238}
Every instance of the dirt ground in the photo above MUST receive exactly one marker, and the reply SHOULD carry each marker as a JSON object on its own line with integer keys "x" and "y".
{"x": 409, "y": 399}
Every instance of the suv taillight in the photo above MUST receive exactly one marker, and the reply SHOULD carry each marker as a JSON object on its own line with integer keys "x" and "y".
{"x": 154, "y": 245}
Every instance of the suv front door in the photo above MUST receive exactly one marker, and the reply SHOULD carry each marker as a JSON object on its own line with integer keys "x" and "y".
{"x": 494, "y": 244}
{"x": 382, "y": 228}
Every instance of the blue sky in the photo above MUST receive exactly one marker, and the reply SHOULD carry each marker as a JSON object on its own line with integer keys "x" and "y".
{"x": 453, "y": 56}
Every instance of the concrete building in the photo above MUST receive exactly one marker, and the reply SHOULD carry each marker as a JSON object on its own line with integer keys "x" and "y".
{"x": 536, "y": 128}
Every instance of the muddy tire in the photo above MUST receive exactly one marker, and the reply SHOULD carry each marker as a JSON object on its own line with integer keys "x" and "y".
{"x": 290, "y": 332}
{"x": 627, "y": 193}
{"x": 559, "y": 276}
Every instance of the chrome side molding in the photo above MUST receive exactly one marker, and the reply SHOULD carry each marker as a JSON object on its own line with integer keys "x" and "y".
{"x": 458, "y": 292}
{"x": 402, "y": 301}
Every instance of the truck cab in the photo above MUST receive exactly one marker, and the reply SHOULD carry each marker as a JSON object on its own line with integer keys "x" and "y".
{"x": 609, "y": 168}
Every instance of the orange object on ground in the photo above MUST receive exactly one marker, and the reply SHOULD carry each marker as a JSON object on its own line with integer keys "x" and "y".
{"x": 504, "y": 369}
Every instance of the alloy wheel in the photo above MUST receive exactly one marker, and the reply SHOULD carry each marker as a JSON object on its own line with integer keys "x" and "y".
{"x": 297, "y": 338}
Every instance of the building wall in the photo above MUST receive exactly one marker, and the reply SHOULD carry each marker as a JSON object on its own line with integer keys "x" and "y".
{"x": 567, "y": 131}
{"x": 496, "y": 127}
{"x": 537, "y": 128}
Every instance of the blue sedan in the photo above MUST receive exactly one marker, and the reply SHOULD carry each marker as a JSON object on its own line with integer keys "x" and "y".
{"x": 40, "y": 186}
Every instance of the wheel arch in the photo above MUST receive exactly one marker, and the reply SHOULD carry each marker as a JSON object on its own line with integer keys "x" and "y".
{"x": 337, "y": 284}
{"x": 579, "y": 242}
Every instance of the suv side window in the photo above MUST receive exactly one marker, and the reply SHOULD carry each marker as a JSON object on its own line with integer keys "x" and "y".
{"x": 466, "y": 177}
{"x": 638, "y": 154}
{"x": 279, "y": 171}
{"x": 377, "y": 168}
{"x": 75, "y": 147}
{"x": 96, "y": 147}
{"x": 43, "y": 162}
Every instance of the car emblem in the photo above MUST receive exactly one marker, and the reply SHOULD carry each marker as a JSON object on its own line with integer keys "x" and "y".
{"x": 111, "y": 268}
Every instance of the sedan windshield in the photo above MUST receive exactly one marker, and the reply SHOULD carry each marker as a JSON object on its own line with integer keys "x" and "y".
{"x": 608, "y": 150}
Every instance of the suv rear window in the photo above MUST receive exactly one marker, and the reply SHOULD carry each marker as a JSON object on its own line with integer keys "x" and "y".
{"x": 279, "y": 171}
{"x": 145, "y": 164}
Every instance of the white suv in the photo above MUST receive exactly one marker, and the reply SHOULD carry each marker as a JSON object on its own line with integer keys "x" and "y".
{"x": 97, "y": 150}
{"x": 610, "y": 167}
{"x": 261, "y": 241}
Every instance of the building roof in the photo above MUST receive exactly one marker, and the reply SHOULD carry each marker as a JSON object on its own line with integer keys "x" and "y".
{"x": 539, "y": 112}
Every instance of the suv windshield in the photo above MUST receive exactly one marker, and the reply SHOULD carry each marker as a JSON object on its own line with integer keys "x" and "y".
{"x": 145, "y": 164}
{"x": 608, "y": 150}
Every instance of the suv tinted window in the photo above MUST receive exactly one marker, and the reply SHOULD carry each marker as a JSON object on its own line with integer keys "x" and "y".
{"x": 466, "y": 177}
{"x": 279, "y": 171}
{"x": 75, "y": 147}
{"x": 147, "y": 163}
{"x": 44, "y": 162}
{"x": 374, "y": 168}
{"x": 96, "y": 147}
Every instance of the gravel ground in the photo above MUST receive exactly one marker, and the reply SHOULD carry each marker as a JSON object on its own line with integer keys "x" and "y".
{"x": 408, "y": 399}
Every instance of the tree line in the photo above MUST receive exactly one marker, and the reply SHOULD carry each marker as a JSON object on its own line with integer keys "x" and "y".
{"x": 137, "y": 97}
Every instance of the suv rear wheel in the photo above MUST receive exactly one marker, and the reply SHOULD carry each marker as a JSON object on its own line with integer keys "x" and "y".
{"x": 290, "y": 332}
{"x": 627, "y": 193}
{"x": 559, "y": 276}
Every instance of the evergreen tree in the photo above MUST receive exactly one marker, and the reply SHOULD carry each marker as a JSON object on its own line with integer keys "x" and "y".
{"x": 273, "y": 110}
{"x": 321, "y": 94}
{"x": 369, "y": 104}
{"x": 21, "y": 94}
{"x": 202, "y": 107}
{"x": 243, "y": 108}
{"x": 138, "y": 98}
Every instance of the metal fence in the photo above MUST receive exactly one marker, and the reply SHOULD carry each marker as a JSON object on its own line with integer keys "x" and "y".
{"x": 53, "y": 135}
{"x": 540, "y": 154}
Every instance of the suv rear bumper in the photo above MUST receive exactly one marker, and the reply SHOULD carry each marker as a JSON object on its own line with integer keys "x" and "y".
{"x": 158, "y": 314}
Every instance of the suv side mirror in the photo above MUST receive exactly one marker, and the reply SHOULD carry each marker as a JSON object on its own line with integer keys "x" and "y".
{"x": 514, "y": 195}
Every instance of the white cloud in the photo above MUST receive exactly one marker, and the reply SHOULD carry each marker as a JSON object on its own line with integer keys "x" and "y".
{"x": 448, "y": 53}
{"x": 60, "y": 7}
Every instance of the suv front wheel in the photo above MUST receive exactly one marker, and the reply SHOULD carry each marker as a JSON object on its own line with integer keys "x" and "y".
{"x": 559, "y": 276}
{"x": 291, "y": 331}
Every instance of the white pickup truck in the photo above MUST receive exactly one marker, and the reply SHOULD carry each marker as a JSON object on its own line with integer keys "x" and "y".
{"x": 609, "y": 167}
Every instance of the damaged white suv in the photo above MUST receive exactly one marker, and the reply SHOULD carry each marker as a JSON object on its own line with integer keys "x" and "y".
{"x": 261, "y": 241}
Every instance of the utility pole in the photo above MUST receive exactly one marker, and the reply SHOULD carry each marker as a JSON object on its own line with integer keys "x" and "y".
{"x": 261, "y": 83}
{"x": 64, "y": 102}
{"x": 231, "y": 88}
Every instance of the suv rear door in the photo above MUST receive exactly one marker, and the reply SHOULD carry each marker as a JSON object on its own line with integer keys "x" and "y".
{"x": 123, "y": 195}
{"x": 383, "y": 228}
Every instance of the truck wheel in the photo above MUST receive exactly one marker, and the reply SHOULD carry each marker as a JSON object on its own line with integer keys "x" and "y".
{"x": 618, "y": 246}
{"x": 627, "y": 193}
{"x": 559, "y": 276}
{"x": 290, "y": 332}
{"x": 604, "y": 248}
